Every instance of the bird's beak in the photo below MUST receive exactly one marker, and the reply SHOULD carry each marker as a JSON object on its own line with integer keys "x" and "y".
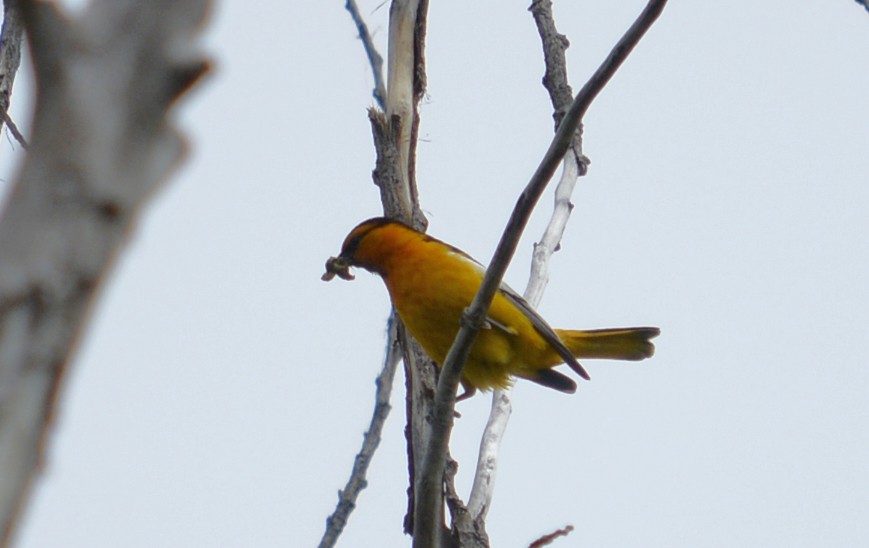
{"x": 337, "y": 266}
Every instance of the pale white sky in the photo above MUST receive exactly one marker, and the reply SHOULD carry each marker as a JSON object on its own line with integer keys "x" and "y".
{"x": 221, "y": 393}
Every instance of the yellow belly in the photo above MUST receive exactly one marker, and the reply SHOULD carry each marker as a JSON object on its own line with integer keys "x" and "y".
{"x": 433, "y": 318}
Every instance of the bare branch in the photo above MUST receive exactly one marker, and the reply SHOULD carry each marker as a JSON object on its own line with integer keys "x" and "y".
{"x": 554, "y": 46}
{"x": 401, "y": 78}
{"x": 421, "y": 377}
{"x": 482, "y": 491}
{"x": 546, "y": 540}
{"x": 864, "y": 3}
{"x": 387, "y": 167}
{"x": 419, "y": 85}
{"x": 556, "y": 83}
{"x": 420, "y": 370}
{"x": 395, "y": 133}
{"x": 10, "y": 59}
{"x": 374, "y": 58}
{"x": 487, "y": 459}
{"x": 555, "y": 79}
{"x": 357, "y": 482}
{"x": 98, "y": 152}
{"x": 13, "y": 129}
{"x": 427, "y": 503}
{"x": 467, "y": 532}
{"x": 400, "y": 126}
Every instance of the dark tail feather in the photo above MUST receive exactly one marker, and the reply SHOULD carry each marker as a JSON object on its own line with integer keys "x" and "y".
{"x": 553, "y": 379}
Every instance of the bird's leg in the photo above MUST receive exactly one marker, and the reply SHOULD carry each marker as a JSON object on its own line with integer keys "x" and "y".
{"x": 468, "y": 392}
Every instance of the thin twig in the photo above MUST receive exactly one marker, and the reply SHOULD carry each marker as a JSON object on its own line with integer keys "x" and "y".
{"x": 357, "y": 482}
{"x": 374, "y": 58}
{"x": 546, "y": 540}
{"x": 487, "y": 458}
{"x": 13, "y": 129}
{"x": 554, "y": 58}
{"x": 431, "y": 480}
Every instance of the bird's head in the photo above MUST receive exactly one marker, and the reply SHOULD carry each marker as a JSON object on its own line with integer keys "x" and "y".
{"x": 370, "y": 246}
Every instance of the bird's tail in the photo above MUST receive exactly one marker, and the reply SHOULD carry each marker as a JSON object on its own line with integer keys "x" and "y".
{"x": 626, "y": 343}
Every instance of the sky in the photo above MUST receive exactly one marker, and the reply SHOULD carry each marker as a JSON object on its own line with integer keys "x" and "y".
{"x": 221, "y": 391}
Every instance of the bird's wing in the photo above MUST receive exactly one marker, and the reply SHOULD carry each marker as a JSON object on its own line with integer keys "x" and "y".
{"x": 537, "y": 320}
{"x": 545, "y": 330}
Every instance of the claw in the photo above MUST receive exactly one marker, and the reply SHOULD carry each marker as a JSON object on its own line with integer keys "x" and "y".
{"x": 336, "y": 266}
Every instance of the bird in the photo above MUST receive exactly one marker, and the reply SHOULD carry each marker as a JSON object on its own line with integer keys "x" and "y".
{"x": 431, "y": 283}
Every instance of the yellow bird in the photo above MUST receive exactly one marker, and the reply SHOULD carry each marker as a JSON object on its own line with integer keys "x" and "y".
{"x": 431, "y": 283}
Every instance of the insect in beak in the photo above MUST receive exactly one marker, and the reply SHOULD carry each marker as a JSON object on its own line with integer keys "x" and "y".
{"x": 337, "y": 266}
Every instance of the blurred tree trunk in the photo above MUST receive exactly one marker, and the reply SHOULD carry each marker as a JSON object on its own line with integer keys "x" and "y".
{"x": 102, "y": 143}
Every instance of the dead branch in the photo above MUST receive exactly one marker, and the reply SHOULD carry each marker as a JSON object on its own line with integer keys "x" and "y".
{"x": 546, "y": 540}
{"x": 556, "y": 83}
{"x": 429, "y": 490}
{"x": 358, "y": 481}
{"x": 374, "y": 57}
{"x": 10, "y": 58}
{"x": 395, "y": 134}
